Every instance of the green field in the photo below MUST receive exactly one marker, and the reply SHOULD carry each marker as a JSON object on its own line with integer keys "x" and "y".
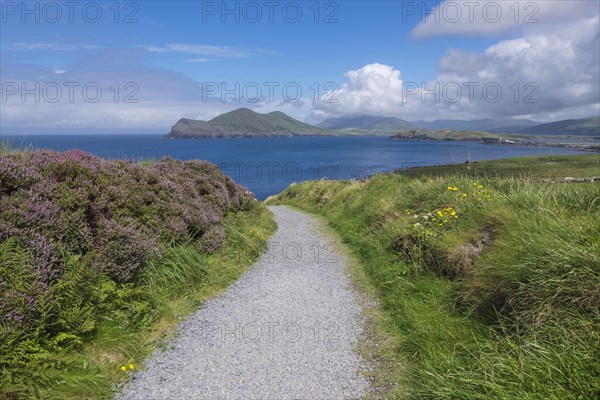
{"x": 535, "y": 167}
{"x": 488, "y": 280}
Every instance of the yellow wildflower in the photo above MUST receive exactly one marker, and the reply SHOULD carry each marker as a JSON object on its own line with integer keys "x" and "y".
{"x": 123, "y": 368}
{"x": 131, "y": 366}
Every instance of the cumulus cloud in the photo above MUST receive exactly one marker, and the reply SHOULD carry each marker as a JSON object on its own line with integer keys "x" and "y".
{"x": 550, "y": 72}
{"x": 372, "y": 89}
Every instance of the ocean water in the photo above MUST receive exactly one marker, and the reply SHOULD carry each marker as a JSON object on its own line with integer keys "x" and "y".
{"x": 266, "y": 166}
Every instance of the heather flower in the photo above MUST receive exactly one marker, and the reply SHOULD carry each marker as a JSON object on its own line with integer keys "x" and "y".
{"x": 16, "y": 174}
{"x": 112, "y": 217}
{"x": 212, "y": 239}
{"x": 123, "y": 249}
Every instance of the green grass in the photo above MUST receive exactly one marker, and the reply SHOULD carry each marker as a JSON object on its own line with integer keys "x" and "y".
{"x": 534, "y": 167}
{"x": 174, "y": 287}
{"x": 502, "y": 302}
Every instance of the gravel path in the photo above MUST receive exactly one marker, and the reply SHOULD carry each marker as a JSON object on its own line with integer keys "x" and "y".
{"x": 285, "y": 330}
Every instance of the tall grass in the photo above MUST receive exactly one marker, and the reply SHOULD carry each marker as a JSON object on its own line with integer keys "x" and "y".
{"x": 181, "y": 271}
{"x": 501, "y": 302}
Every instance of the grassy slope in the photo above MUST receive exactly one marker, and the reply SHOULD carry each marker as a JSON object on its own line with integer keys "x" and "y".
{"x": 246, "y": 122}
{"x": 452, "y": 135}
{"x": 577, "y": 127}
{"x": 501, "y": 302}
{"x": 380, "y": 126}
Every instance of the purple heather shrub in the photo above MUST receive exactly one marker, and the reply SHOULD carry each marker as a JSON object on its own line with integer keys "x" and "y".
{"x": 69, "y": 221}
{"x": 178, "y": 229}
{"x": 84, "y": 159}
{"x": 123, "y": 248}
{"x": 42, "y": 159}
{"x": 212, "y": 239}
{"x": 234, "y": 193}
{"x": 47, "y": 263}
{"x": 29, "y": 214}
{"x": 16, "y": 174}
{"x": 118, "y": 212}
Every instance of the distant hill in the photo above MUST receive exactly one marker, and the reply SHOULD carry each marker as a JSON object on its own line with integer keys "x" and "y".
{"x": 244, "y": 122}
{"x": 506, "y": 139}
{"x": 450, "y": 135}
{"x": 487, "y": 125}
{"x": 366, "y": 125}
{"x": 568, "y": 127}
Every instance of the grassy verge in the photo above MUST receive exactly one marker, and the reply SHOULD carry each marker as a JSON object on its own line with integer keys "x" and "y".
{"x": 489, "y": 285}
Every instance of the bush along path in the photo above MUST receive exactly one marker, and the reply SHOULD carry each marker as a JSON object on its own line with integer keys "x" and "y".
{"x": 99, "y": 260}
{"x": 286, "y": 330}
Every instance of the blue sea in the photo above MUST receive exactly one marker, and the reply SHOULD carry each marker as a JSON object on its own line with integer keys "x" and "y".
{"x": 266, "y": 166}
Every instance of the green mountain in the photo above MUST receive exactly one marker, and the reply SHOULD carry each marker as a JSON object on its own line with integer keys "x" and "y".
{"x": 244, "y": 122}
{"x": 576, "y": 127}
{"x": 366, "y": 125}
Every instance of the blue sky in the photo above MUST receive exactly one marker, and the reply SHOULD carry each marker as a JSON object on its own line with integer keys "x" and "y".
{"x": 367, "y": 51}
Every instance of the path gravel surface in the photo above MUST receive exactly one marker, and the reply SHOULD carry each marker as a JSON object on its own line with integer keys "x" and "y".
{"x": 287, "y": 329}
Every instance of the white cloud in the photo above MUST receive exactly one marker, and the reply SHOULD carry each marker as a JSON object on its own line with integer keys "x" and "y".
{"x": 372, "y": 89}
{"x": 549, "y": 72}
{"x": 493, "y": 18}
{"x": 195, "y": 49}
{"x": 147, "y": 115}
{"x": 162, "y": 98}
{"x": 201, "y": 60}
{"x": 52, "y": 46}
{"x": 207, "y": 50}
